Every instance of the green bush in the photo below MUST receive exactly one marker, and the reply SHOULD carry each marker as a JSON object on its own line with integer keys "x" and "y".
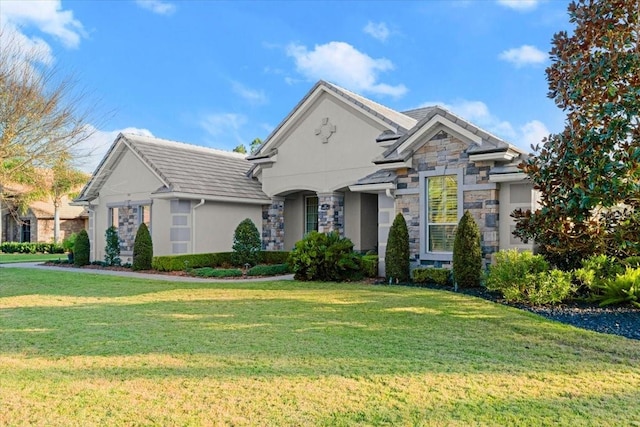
{"x": 369, "y": 265}
{"x": 467, "y": 253}
{"x": 30, "y": 248}
{"x": 595, "y": 271}
{"x": 269, "y": 270}
{"x": 438, "y": 276}
{"x": 183, "y": 262}
{"x": 273, "y": 257}
{"x": 325, "y": 257}
{"x": 623, "y": 288}
{"x": 396, "y": 259}
{"x": 69, "y": 242}
{"x": 142, "y": 249}
{"x": 246, "y": 244}
{"x": 524, "y": 277}
{"x": 81, "y": 249}
{"x": 112, "y": 249}
{"x": 632, "y": 261}
{"x": 216, "y": 272}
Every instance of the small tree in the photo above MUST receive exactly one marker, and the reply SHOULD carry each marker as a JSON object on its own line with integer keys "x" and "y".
{"x": 396, "y": 257}
{"x": 246, "y": 243}
{"x": 142, "y": 249}
{"x": 81, "y": 249}
{"x": 467, "y": 253}
{"x": 112, "y": 249}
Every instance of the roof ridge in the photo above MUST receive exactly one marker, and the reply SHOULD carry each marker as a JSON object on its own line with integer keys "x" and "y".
{"x": 184, "y": 145}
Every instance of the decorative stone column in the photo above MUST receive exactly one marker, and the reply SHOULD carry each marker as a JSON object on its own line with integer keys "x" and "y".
{"x": 273, "y": 225}
{"x": 331, "y": 212}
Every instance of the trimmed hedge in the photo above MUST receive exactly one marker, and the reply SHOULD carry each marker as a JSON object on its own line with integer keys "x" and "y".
{"x": 269, "y": 270}
{"x": 81, "y": 249}
{"x": 142, "y": 249}
{"x": 216, "y": 272}
{"x": 30, "y": 248}
{"x": 218, "y": 259}
{"x": 397, "y": 264}
{"x": 430, "y": 275}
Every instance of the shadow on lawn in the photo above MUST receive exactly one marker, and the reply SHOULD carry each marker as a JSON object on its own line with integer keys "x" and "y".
{"x": 293, "y": 329}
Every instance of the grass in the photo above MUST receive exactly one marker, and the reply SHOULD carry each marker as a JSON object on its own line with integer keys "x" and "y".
{"x": 98, "y": 350}
{"x": 6, "y": 258}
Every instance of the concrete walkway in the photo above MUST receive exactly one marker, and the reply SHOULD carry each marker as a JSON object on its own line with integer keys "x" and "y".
{"x": 166, "y": 277}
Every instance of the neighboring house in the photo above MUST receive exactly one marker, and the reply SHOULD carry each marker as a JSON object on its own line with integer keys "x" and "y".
{"x": 37, "y": 223}
{"x": 339, "y": 162}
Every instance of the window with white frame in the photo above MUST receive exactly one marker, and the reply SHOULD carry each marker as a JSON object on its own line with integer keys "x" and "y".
{"x": 310, "y": 214}
{"x": 441, "y": 212}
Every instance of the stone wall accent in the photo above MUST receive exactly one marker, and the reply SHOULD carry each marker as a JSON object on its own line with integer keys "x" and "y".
{"x": 273, "y": 225}
{"x": 331, "y": 212}
{"x": 480, "y": 197}
{"x": 127, "y": 227}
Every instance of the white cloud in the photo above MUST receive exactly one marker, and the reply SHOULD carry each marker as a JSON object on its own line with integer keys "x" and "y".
{"x": 22, "y": 49}
{"x": 520, "y": 5}
{"x": 157, "y": 6}
{"x": 227, "y": 125}
{"x": 524, "y": 55}
{"x": 47, "y": 16}
{"x": 253, "y": 96}
{"x": 90, "y": 152}
{"x": 341, "y": 63}
{"x": 532, "y": 134}
{"x": 378, "y": 31}
{"x": 477, "y": 112}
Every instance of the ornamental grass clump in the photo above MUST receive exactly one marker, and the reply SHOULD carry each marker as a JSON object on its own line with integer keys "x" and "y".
{"x": 142, "y": 249}
{"x": 467, "y": 253}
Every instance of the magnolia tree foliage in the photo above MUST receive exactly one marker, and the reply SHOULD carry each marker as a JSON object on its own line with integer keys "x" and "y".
{"x": 588, "y": 175}
{"x": 246, "y": 243}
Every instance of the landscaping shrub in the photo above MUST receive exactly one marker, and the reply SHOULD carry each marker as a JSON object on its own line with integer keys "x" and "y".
{"x": 623, "y": 288}
{"x": 369, "y": 265}
{"x": 595, "y": 271}
{"x": 632, "y": 261}
{"x": 246, "y": 244}
{"x": 467, "y": 253}
{"x": 216, "y": 272}
{"x": 325, "y": 257}
{"x": 112, "y": 249}
{"x": 69, "y": 242}
{"x": 30, "y": 248}
{"x": 183, "y": 262}
{"x": 524, "y": 277}
{"x": 142, "y": 249}
{"x": 438, "y": 276}
{"x": 396, "y": 259}
{"x": 81, "y": 249}
{"x": 273, "y": 257}
{"x": 269, "y": 270}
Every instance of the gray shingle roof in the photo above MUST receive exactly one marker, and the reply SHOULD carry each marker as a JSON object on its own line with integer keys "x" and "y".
{"x": 379, "y": 177}
{"x": 190, "y": 169}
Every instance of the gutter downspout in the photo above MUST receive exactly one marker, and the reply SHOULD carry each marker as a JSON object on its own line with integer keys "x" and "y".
{"x": 193, "y": 226}
{"x": 389, "y": 193}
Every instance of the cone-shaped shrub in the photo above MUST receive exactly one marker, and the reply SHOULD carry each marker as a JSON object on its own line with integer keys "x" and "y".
{"x": 396, "y": 257}
{"x": 81, "y": 249}
{"x": 246, "y": 244}
{"x": 112, "y": 249}
{"x": 467, "y": 253}
{"x": 142, "y": 249}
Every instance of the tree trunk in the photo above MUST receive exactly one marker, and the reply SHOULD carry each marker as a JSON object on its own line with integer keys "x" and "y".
{"x": 56, "y": 221}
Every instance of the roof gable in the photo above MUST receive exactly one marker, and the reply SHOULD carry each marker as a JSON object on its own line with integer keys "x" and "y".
{"x": 184, "y": 169}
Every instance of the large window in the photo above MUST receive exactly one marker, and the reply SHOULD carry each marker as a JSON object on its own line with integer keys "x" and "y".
{"x": 442, "y": 212}
{"x": 25, "y": 231}
{"x": 311, "y": 214}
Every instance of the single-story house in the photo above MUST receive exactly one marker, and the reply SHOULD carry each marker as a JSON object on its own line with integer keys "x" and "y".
{"x": 338, "y": 161}
{"x": 37, "y": 223}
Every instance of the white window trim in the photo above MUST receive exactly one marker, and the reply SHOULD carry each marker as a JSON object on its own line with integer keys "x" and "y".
{"x": 306, "y": 210}
{"x": 423, "y": 176}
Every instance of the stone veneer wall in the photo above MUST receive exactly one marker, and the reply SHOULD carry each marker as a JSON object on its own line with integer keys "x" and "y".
{"x": 331, "y": 213}
{"x": 480, "y": 197}
{"x": 127, "y": 227}
{"x": 273, "y": 225}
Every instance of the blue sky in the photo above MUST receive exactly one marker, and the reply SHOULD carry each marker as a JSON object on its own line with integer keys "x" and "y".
{"x": 221, "y": 73}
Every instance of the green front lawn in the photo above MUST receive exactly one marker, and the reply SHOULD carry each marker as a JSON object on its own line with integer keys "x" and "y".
{"x": 6, "y": 258}
{"x": 98, "y": 350}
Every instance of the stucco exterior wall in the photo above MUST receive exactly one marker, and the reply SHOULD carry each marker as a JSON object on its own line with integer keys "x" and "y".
{"x": 216, "y": 222}
{"x": 306, "y": 162}
{"x": 514, "y": 196}
{"x": 293, "y": 219}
